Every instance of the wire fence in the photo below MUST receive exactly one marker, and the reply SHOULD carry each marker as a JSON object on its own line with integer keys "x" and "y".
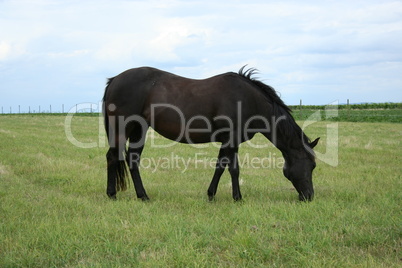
{"x": 365, "y": 112}
{"x": 52, "y": 109}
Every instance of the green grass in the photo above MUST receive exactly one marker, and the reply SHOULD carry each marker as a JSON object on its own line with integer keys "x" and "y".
{"x": 54, "y": 211}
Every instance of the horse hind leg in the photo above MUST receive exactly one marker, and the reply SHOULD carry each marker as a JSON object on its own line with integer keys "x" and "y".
{"x": 116, "y": 173}
{"x": 135, "y": 148}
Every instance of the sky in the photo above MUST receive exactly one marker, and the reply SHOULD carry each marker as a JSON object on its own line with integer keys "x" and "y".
{"x": 55, "y": 53}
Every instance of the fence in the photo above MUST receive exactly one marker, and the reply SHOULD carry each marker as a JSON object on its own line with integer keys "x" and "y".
{"x": 375, "y": 112}
{"x": 52, "y": 109}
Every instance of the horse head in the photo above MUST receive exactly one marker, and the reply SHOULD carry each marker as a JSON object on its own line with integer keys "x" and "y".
{"x": 299, "y": 168}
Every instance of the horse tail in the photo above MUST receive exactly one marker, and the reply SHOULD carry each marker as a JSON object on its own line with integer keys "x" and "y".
{"x": 104, "y": 110}
{"x": 121, "y": 175}
{"x": 120, "y": 167}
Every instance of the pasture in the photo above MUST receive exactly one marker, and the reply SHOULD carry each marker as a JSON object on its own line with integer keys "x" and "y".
{"x": 54, "y": 211}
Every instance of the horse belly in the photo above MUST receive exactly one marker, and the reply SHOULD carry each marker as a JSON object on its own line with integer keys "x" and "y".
{"x": 175, "y": 126}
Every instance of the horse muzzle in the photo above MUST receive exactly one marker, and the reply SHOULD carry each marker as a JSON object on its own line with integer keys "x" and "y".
{"x": 305, "y": 189}
{"x": 306, "y": 195}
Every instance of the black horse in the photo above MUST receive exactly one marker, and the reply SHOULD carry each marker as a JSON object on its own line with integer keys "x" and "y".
{"x": 229, "y": 108}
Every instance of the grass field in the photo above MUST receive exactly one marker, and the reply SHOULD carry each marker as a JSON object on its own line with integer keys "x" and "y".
{"x": 54, "y": 211}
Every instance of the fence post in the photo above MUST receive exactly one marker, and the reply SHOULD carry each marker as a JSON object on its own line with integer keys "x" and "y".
{"x": 301, "y": 115}
{"x": 62, "y": 108}
{"x": 50, "y": 108}
{"x": 39, "y": 108}
{"x": 29, "y": 109}
{"x": 348, "y": 107}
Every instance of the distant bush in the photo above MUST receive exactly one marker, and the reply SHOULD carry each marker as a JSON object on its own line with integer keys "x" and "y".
{"x": 360, "y": 106}
{"x": 365, "y": 112}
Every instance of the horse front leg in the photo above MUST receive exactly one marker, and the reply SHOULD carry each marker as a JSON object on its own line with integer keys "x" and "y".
{"x": 227, "y": 157}
{"x": 219, "y": 169}
{"x": 234, "y": 171}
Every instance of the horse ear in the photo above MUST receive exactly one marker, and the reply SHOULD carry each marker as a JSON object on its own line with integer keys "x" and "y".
{"x": 314, "y": 143}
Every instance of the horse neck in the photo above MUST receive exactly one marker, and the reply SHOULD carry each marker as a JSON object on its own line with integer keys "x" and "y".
{"x": 290, "y": 149}
{"x": 287, "y": 136}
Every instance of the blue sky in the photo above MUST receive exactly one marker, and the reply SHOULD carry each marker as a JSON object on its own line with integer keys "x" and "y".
{"x": 61, "y": 52}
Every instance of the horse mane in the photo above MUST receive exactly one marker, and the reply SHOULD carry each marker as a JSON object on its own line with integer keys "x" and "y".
{"x": 288, "y": 127}
{"x": 267, "y": 90}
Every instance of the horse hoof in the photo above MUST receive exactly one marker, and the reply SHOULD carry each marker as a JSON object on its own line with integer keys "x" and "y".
{"x": 237, "y": 198}
{"x": 144, "y": 198}
{"x": 113, "y": 197}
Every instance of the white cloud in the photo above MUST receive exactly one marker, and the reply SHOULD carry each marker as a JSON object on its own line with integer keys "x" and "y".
{"x": 5, "y": 50}
{"x": 301, "y": 48}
